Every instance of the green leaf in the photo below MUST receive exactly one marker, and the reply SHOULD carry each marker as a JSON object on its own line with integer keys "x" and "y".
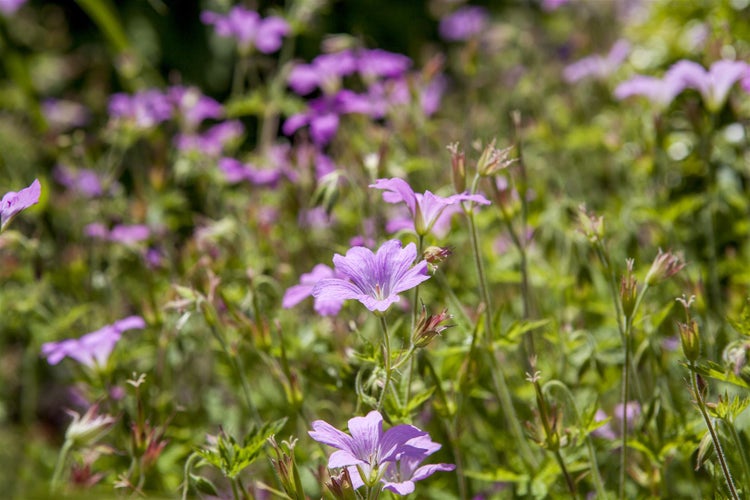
{"x": 203, "y": 485}
{"x": 742, "y": 324}
{"x": 499, "y": 475}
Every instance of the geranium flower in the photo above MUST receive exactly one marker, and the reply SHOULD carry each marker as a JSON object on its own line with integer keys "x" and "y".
{"x": 9, "y": 7}
{"x": 325, "y": 72}
{"x": 463, "y": 24}
{"x": 249, "y": 29}
{"x": 373, "y": 279}
{"x": 714, "y": 85}
{"x": 93, "y": 349}
{"x": 144, "y": 109}
{"x": 193, "y": 106}
{"x": 371, "y": 455}
{"x": 596, "y": 66}
{"x": 425, "y": 208}
{"x": 297, "y": 293}
{"x": 14, "y": 202}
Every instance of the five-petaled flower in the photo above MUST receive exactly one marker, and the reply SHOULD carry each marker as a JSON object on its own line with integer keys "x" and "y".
{"x": 93, "y": 349}
{"x": 425, "y": 208}
{"x": 374, "y": 279}
{"x": 372, "y": 456}
{"x": 12, "y": 202}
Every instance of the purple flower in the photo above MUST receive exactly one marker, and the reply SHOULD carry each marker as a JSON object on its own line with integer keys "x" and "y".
{"x": 121, "y": 233}
{"x": 9, "y": 7}
{"x": 431, "y": 94}
{"x": 13, "y": 203}
{"x": 93, "y": 349}
{"x": 193, "y": 106}
{"x": 400, "y": 476}
{"x": 714, "y": 85}
{"x": 83, "y": 181}
{"x": 296, "y": 294}
{"x": 372, "y": 456}
{"x": 323, "y": 116}
{"x": 325, "y": 72}
{"x": 660, "y": 91}
{"x": 550, "y": 5}
{"x": 63, "y": 115}
{"x": 463, "y": 24}
{"x": 373, "y": 279}
{"x": 377, "y": 63}
{"x": 249, "y": 29}
{"x": 145, "y": 109}
{"x": 425, "y": 208}
{"x": 596, "y": 66}
{"x": 235, "y": 171}
{"x": 212, "y": 142}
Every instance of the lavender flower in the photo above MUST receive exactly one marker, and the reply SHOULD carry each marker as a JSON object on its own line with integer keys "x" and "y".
{"x": 83, "y": 181}
{"x": 213, "y": 141}
{"x": 325, "y": 72}
{"x": 377, "y": 63}
{"x": 14, "y": 202}
{"x": 373, "y": 279}
{"x": 550, "y": 5}
{"x": 121, "y": 233}
{"x": 296, "y": 294}
{"x": 235, "y": 171}
{"x": 93, "y": 349}
{"x": 596, "y": 66}
{"x": 425, "y": 208}
{"x": 193, "y": 106}
{"x": 714, "y": 85}
{"x": 144, "y": 110}
{"x": 63, "y": 114}
{"x": 323, "y": 116}
{"x": 9, "y": 7}
{"x": 463, "y": 24}
{"x": 249, "y": 29}
{"x": 371, "y": 455}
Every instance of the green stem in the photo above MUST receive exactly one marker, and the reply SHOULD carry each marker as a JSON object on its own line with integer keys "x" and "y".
{"x": 414, "y": 316}
{"x": 597, "y": 478}
{"x": 738, "y": 444}
{"x": 386, "y": 360}
{"x": 712, "y": 432}
{"x": 61, "y": 458}
{"x": 235, "y": 490}
{"x": 194, "y": 457}
{"x": 568, "y": 480}
{"x": 498, "y": 378}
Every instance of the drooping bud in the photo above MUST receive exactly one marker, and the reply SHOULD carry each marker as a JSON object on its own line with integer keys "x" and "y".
{"x": 458, "y": 166}
{"x": 340, "y": 486}
{"x": 88, "y": 428}
{"x": 628, "y": 290}
{"x": 429, "y": 326}
{"x": 436, "y": 255}
{"x": 590, "y": 225}
{"x": 666, "y": 265}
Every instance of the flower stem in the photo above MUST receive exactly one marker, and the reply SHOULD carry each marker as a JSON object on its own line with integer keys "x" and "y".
{"x": 386, "y": 360}
{"x": 498, "y": 378}
{"x": 61, "y": 458}
{"x": 712, "y": 432}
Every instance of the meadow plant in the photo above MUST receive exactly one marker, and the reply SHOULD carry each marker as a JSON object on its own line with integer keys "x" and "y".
{"x": 498, "y": 319}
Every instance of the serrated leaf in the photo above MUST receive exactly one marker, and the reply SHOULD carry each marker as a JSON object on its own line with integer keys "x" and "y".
{"x": 717, "y": 372}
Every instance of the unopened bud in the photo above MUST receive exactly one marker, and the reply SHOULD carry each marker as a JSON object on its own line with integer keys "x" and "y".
{"x": 666, "y": 265}
{"x": 88, "y": 428}
{"x": 690, "y": 339}
{"x": 628, "y": 290}
{"x": 590, "y": 225}
{"x": 428, "y": 327}
{"x": 340, "y": 486}
{"x": 493, "y": 160}
{"x": 436, "y": 255}
{"x": 458, "y": 166}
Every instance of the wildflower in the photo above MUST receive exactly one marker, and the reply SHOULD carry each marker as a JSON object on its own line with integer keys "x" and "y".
{"x": 660, "y": 91}
{"x": 371, "y": 455}
{"x": 88, "y": 428}
{"x": 377, "y": 63}
{"x": 714, "y": 85}
{"x": 144, "y": 110}
{"x": 324, "y": 72}
{"x": 665, "y": 266}
{"x": 591, "y": 225}
{"x": 298, "y": 293}
{"x": 425, "y": 208}
{"x": 9, "y": 7}
{"x": 249, "y": 29}
{"x": 83, "y": 181}
{"x": 596, "y": 66}
{"x": 14, "y": 202}
{"x": 492, "y": 159}
{"x": 213, "y": 141}
{"x": 126, "y": 234}
{"x": 373, "y": 279}
{"x": 193, "y": 106}
{"x": 463, "y": 24}
{"x": 236, "y": 171}
{"x": 62, "y": 114}
{"x": 93, "y": 349}
{"x": 628, "y": 289}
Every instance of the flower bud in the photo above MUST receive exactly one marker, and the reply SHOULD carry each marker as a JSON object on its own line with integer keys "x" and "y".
{"x": 88, "y": 428}
{"x": 428, "y": 327}
{"x": 458, "y": 165}
{"x": 628, "y": 290}
{"x": 436, "y": 255}
{"x": 493, "y": 159}
{"x": 690, "y": 339}
{"x": 665, "y": 266}
{"x": 590, "y": 225}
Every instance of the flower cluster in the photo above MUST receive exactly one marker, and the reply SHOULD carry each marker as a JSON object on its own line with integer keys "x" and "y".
{"x": 372, "y": 456}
